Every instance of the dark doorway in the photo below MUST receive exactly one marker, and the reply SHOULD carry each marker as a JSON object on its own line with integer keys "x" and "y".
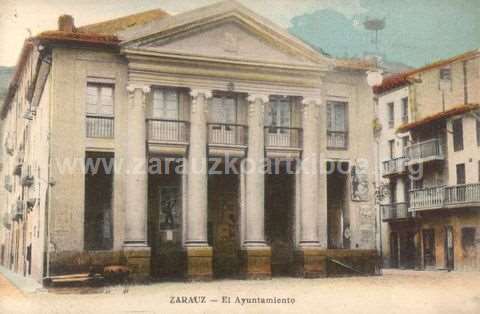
{"x": 279, "y": 220}
{"x": 223, "y": 224}
{"x": 337, "y": 211}
{"x": 407, "y": 250}
{"x": 165, "y": 219}
{"x": 98, "y": 228}
{"x": 449, "y": 257}
{"x": 394, "y": 263}
{"x": 428, "y": 247}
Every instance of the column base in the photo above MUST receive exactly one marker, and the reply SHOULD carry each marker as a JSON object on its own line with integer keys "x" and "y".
{"x": 310, "y": 262}
{"x": 256, "y": 263}
{"x": 137, "y": 259}
{"x": 199, "y": 263}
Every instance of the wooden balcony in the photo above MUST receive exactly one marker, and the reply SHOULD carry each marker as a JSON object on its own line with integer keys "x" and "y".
{"x": 395, "y": 211}
{"x": 168, "y": 137}
{"x": 429, "y": 198}
{"x": 394, "y": 166}
{"x": 465, "y": 195}
{"x": 227, "y": 139}
{"x": 283, "y": 142}
{"x": 100, "y": 126}
{"x": 425, "y": 151}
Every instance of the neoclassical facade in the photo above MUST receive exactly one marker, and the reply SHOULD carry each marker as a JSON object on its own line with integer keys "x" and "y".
{"x": 158, "y": 101}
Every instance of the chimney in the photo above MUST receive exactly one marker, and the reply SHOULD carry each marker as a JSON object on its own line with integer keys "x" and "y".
{"x": 65, "y": 23}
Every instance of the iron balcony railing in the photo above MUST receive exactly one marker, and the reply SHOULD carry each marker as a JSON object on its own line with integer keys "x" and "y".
{"x": 394, "y": 166}
{"x": 277, "y": 136}
{"x": 227, "y": 134}
{"x": 431, "y": 149}
{"x": 395, "y": 211}
{"x": 337, "y": 139}
{"x": 163, "y": 130}
{"x": 445, "y": 196}
{"x": 100, "y": 126}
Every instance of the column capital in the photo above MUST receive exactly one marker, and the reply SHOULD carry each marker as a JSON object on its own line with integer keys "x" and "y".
{"x": 263, "y": 97}
{"x": 132, "y": 87}
{"x": 195, "y": 92}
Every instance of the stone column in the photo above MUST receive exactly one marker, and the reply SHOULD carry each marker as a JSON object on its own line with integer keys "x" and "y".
{"x": 136, "y": 249}
{"x": 310, "y": 263}
{"x": 198, "y": 252}
{"x": 256, "y": 253}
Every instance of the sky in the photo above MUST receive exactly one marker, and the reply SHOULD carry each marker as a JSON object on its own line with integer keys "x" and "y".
{"x": 417, "y": 31}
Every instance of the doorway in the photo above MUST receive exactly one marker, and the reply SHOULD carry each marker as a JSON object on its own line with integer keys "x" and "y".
{"x": 98, "y": 225}
{"x": 428, "y": 247}
{"x": 223, "y": 226}
{"x": 394, "y": 248}
{"x": 337, "y": 210}
{"x": 279, "y": 220}
{"x": 449, "y": 257}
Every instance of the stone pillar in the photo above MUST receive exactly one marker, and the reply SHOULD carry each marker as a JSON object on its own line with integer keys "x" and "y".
{"x": 136, "y": 249}
{"x": 309, "y": 260}
{"x": 256, "y": 253}
{"x": 198, "y": 252}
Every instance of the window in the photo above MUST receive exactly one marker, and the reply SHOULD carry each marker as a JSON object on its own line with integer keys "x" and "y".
{"x": 393, "y": 192}
{"x": 165, "y": 104}
{"x": 457, "y": 126}
{"x": 279, "y": 114}
{"x": 445, "y": 74}
{"x": 100, "y": 110}
{"x": 405, "y": 110}
{"x": 337, "y": 125}
{"x": 391, "y": 114}
{"x": 223, "y": 119}
{"x": 391, "y": 148}
{"x": 223, "y": 110}
{"x": 99, "y": 99}
{"x": 461, "y": 174}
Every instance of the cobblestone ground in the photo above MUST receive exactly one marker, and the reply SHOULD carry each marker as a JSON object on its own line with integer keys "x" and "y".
{"x": 395, "y": 292}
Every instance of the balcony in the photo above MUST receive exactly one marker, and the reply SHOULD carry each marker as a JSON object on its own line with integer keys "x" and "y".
{"x": 425, "y": 151}
{"x": 227, "y": 134}
{"x": 227, "y": 139}
{"x": 462, "y": 195}
{"x": 100, "y": 126}
{"x": 395, "y": 211}
{"x": 429, "y": 198}
{"x": 465, "y": 195}
{"x": 394, "y": 166}
{"x": 337, "y": 140}
{"x": 283, "y": 142}
{"x": 167, "y": 136}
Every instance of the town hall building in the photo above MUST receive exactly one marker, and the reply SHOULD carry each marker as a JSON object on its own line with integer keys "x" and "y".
{"x": 216, "y": 86}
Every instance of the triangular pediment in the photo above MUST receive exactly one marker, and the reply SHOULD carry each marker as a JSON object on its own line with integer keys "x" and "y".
{"x": 223, "y": 31}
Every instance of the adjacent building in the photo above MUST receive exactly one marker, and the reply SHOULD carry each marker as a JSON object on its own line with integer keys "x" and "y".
{"x": 429, "y": 154}
{"x": 110, "y": 130}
